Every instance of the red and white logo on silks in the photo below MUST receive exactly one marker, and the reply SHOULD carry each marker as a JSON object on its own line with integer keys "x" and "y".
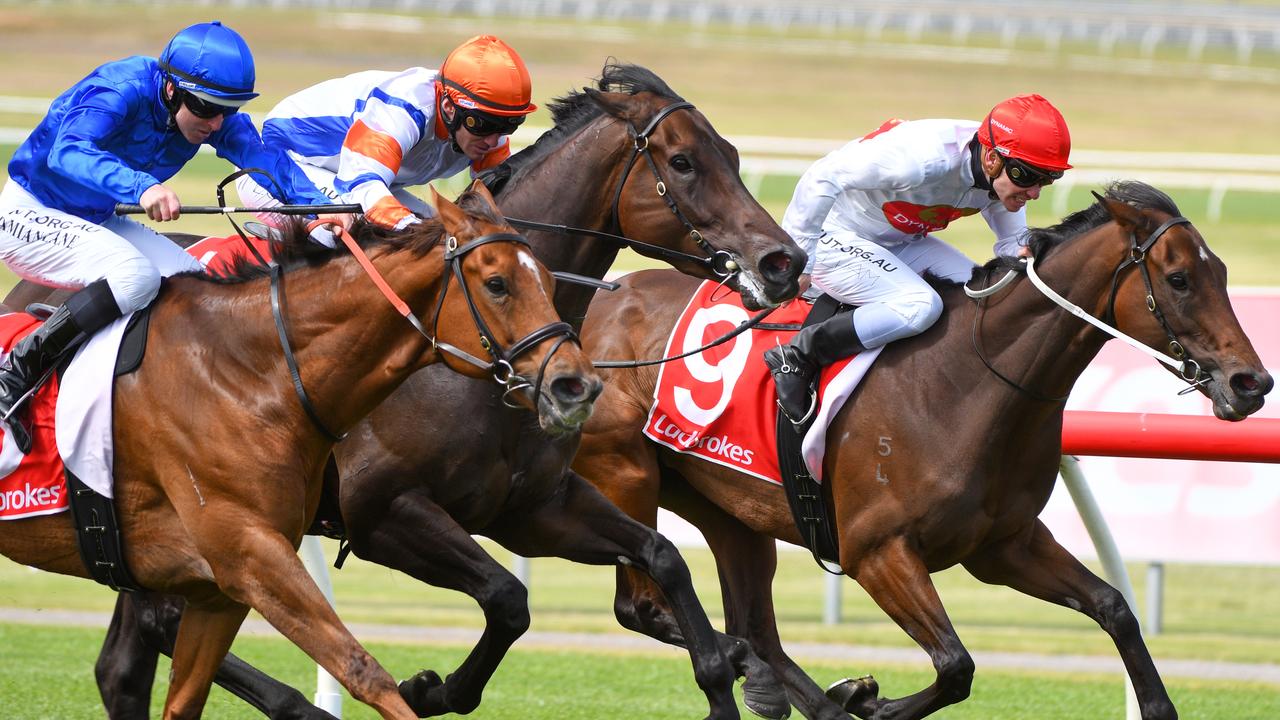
{"x": 720, "y": 404}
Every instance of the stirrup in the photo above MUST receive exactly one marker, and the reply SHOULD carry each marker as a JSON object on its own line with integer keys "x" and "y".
{"x": 813, "y": 408}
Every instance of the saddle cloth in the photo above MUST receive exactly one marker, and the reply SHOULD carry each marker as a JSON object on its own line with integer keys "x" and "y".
{"x": 71, "y": 423}
{"x": 71, "y": 414}
{"x": 720, "y": 405}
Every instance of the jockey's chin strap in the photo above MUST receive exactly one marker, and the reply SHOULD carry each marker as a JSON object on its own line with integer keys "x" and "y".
{"x": 1187, "y": 368}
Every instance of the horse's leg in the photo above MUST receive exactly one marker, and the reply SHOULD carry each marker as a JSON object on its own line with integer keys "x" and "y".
{"x": 746, "y": 561}
{"x": 1034, "y": 563}
{"x": 145, "y": 625}
{"x": 418, "y": 538}
{"x": 896, "y": 578}
{"x": 263, "y": 571}
{"x": 204, "y": 636}
{"x": 580, "y": 524}
{"x": 126, "y": 667}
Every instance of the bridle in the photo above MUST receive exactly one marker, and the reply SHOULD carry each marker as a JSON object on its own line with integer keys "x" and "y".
{"x": 501, "y": 366}
{"x": 1178, "y": 359}
{"x": 720, "y": 263}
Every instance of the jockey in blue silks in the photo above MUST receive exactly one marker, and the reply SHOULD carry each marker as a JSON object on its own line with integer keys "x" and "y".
{"x": 115, "y": 137}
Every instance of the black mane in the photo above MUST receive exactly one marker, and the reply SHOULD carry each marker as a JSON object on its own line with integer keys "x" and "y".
{"x": 577, "y": 109}
{"x": 1041, "y": 240}
{"x": 297, "y": 250}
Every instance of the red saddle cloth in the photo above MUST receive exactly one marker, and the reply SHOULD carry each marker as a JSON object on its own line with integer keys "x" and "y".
{"x": 35, "y": 483}
{"x": 219, "y": 253}
{"x": 720, "y": 404}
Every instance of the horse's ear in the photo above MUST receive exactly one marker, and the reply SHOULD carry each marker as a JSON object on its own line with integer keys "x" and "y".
{"x": 450, "y": 214}
{"x": 613, "y": 103}
{"x": 479, "y": 189}
{"x": 1125, "y": 215}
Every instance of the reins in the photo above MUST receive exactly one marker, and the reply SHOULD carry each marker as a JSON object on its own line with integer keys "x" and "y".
{"x": 501, "y": 367}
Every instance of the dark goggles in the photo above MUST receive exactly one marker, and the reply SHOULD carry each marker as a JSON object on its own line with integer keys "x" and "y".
{"x": 482, "y": 124}
{"x": 1024, "y": 175}
{"x": 204, "y": 109}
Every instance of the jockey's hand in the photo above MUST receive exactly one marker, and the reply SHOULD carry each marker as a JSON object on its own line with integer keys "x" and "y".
{"x": 1024, "y": 251}
{"x": 804, "y": 280}
{"x": 161, "y": 203}
{"x": 340, "y": 221}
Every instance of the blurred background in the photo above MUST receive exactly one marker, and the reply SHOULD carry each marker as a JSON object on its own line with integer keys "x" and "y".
{"x": 1184, "y": 95}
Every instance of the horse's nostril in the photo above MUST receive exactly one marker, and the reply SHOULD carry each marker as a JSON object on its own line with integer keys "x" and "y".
{"x": 573, "y": 389}
{"x": 1250, "y": 384}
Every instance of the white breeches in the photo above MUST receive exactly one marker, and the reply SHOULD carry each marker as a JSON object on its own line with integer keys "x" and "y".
{"x": 54, "y": 248}
{"x": 895, "y": 301}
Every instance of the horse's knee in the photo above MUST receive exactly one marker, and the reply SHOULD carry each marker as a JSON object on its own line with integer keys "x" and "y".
{"x": 665, "y": 564}
{"x": 955, "y": 677}
{"x": 1114, "y": 614}
{"x": 506, "y": 606}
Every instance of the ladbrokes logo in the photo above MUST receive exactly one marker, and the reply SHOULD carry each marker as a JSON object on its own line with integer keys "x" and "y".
{"x": 29, "y": 498}
{"x": 915, "y": 219}
{"x": 716, "y": 444}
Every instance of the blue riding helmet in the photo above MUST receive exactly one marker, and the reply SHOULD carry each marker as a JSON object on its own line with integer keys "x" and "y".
{"x": 212, "y": 60}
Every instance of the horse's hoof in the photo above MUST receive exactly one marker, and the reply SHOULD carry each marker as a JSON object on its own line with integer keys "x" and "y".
{"x": 424, "y": 694}
{"x": 854, "y": 695}
{"x": 766, "y": 701}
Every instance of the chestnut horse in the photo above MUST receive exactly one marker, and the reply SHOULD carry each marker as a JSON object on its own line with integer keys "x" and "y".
{"x": 967, "y": 456}
{"x": 217, "y": 465}
{"x": 413, "y": 497}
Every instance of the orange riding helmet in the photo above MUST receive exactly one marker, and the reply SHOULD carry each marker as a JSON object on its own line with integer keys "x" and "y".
{"x": 487, "y": 75}
{"x": 1028, "y": 128}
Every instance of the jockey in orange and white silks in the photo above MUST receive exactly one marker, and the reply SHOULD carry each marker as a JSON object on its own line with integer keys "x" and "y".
{"x": 866, "y": 212}
{"x": 366, "y": 138}
{"x": 116, "y": 137}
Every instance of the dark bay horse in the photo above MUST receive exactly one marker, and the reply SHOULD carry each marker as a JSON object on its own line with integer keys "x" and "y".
{"x": 935, "y": 460}
{"x": 412, "y": 497}
{"x": 217, "y": 465}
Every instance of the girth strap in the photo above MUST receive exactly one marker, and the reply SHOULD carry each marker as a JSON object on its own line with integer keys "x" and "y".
{"x": 98, "y": 533}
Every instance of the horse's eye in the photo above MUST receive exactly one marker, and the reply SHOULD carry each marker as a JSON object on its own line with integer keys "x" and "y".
{"x": 497, "y": 286}
{"x": 1177, "y": 280}
{"x": 681, "y": 164}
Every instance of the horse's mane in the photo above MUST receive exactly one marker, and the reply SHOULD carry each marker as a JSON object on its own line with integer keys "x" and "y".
{"x": 1042, "y": 240}
{"x": 574, "y": 111}
{"x": 295, "y": 249}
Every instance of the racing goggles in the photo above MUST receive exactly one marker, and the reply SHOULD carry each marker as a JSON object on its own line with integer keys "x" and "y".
{"x": 482, "y": 124}
{"x": 1025, "y": 175}
{"x": 204, "y": 109}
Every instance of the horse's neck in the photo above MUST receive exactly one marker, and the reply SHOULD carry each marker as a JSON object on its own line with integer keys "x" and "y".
{"x": 580, "y": 197}
{"x": 1027, "y": 337}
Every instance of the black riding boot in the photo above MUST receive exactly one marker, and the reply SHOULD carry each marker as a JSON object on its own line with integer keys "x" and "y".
{"x": 84, "y": 313}
{"x": 793, "y": 365}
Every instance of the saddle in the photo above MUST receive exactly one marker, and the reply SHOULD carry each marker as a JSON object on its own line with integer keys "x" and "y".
{"x": 810, "y": 503}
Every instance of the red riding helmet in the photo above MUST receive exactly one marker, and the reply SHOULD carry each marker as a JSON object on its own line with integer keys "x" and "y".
{"x": 1029, "y": 128}
{"x": 486, "y": 74}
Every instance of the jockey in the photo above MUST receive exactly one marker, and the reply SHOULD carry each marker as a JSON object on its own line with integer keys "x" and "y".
{"x": 865, "y": 214}
{"x": 365, "y": 138}
{"x": 116, "y": 137}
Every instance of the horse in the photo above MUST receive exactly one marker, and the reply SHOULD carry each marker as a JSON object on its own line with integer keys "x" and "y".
{"x": 411, "y": 497}
{"x": 947, "y": 451}
{"x": 221, "y": 439}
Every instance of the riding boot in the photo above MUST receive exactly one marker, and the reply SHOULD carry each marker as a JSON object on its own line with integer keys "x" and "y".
{"x": 85, "y": 312}
{"x": 793, "y": 365}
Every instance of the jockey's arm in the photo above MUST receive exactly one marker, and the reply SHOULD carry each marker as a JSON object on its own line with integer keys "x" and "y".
{"x": 856, "y": 166}
{"x": 77, "y": 151}
{"x": 371, "y": 156}
{"x": 1009, "y": 228}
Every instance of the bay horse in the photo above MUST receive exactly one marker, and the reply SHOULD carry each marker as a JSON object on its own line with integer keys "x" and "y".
{"x": 218, "y": 465}
{"x": 936, "y": 459}
{"x": 412, "y": 497}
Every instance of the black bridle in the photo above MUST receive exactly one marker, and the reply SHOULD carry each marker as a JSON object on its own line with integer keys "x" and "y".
{"x": 1191, "y": 371}
{"x": 501, "y": 367}
{"x": 719, "y": 263}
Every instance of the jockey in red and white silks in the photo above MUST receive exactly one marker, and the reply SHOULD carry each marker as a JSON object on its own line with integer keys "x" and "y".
{"x": 866, "y": 212}
{"x": 368, "y": 137}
